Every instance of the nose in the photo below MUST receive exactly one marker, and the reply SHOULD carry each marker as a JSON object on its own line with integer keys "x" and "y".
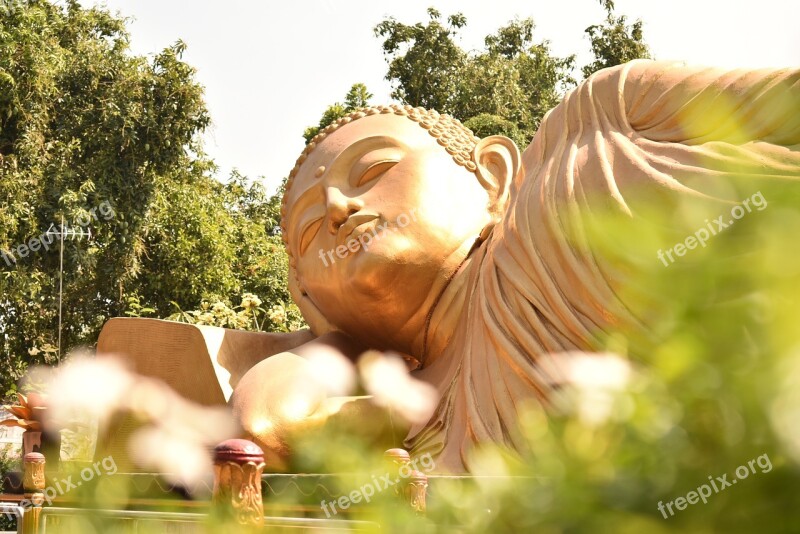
{"x": 340, "y": 208}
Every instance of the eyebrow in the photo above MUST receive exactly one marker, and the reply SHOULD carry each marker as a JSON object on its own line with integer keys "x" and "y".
{"x": 358, "y": 147}
{"x": 315, "y": 191}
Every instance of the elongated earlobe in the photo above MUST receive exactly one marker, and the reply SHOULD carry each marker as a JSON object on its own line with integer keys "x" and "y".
{"x": 316, "y": 321}
{"x": 498, "y": 160}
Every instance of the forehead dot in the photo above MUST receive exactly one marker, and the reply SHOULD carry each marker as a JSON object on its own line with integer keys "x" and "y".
{"x": 320, "y": 171}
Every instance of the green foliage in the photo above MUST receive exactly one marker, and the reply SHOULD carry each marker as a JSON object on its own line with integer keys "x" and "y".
{"x": 511, "y": 40}
{"x": 713, "y": 388}
{"x": 485, "y": 124}
{"x": 357, "y": 97}
{"x": 514, "y": 78}
{"x": 424, "y": 61}
{"x": 614, "y": 43}
{"x": 236, "y": 226}
{"x": 134, "y": 307}
{"x": 84, "y": 123}
{"x": 249, "y": 315}
{"x": 608, "y": 5}
{"x": 8, "y": 462}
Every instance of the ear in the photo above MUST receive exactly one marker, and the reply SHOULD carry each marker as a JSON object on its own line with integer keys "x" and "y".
{"x": 497, "y": 159}
{"x": 316, "y": 321}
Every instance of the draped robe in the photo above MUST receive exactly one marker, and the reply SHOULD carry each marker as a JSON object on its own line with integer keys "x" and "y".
{"x": 630, "y": 137}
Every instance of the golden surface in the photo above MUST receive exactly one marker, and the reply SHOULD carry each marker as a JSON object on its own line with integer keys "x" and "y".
{"x": 468, "y": 268}
{"x": 238, "y": 487}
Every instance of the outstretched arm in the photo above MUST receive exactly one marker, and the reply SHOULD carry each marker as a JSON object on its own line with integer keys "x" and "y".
{"x": 695, "y": 105}
{"x": 632, "y": 145}
{"x": 651, "y": 130}
{"x": 285, "y": 396}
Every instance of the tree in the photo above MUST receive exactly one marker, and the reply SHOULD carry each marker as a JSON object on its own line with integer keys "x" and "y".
{"x": 486, "y": 124}
{"x": 615, "y": 42}
{"x": 514, "y": 78}
{"x": 84, "y": 123}
{"x": 424, "y": 61}
{"x": 357, "y": 97}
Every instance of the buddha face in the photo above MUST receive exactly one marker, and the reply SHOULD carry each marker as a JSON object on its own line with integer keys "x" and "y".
{"x": 379, "y": 217}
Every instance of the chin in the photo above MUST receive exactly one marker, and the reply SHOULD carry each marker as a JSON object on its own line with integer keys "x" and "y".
{"x": 371, "y": 274}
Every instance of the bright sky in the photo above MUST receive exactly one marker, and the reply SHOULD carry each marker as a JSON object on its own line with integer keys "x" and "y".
{"x": 271, "y": 69}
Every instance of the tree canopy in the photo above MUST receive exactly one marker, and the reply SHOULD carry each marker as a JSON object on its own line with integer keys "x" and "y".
{"x": 506, "y": 87}
{"x": 357, "y": 97}
{"x": 514, "y": 78}
{"x": 85, "y": 123}
{"x": 615, "y": 42}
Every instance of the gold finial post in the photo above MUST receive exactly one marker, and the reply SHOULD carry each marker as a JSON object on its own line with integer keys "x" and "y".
{"x": 238, "y": 465}
{"x": 33, "y": 483}
{"x": 412, "y": 484}
{"x": 415, "y": 490}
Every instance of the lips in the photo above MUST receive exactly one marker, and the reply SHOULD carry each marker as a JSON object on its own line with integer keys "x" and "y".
{"x": 353, "y": 223}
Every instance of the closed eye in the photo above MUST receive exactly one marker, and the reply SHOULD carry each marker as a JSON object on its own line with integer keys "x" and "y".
{"x": 308, "y": 233}
{"x": 374, "y": 171}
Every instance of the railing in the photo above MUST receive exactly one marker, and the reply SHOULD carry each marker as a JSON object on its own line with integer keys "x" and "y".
{"x": 68, "y": 519}
{"x": 237, "y": 499}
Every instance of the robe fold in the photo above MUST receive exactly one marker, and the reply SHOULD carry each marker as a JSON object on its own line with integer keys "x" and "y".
{"x": 628, "y": 138}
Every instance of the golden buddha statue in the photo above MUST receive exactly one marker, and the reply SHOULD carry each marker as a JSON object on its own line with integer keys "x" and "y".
{"x": 407, "y": 233}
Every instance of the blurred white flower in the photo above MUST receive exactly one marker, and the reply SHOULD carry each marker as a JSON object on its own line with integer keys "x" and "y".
{"x": 387, "y": 379}
{"x": 90, "y": 387}
{"x": 333, "y": 372}
{"x": 181, "y": 461}
{"x": 176, "y": 436}
{"x": 595, "y": 380}
{"x": 603, "y": 370}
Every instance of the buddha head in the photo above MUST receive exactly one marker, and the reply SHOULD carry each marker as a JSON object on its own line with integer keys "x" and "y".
{"x": 379, "y": 213}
